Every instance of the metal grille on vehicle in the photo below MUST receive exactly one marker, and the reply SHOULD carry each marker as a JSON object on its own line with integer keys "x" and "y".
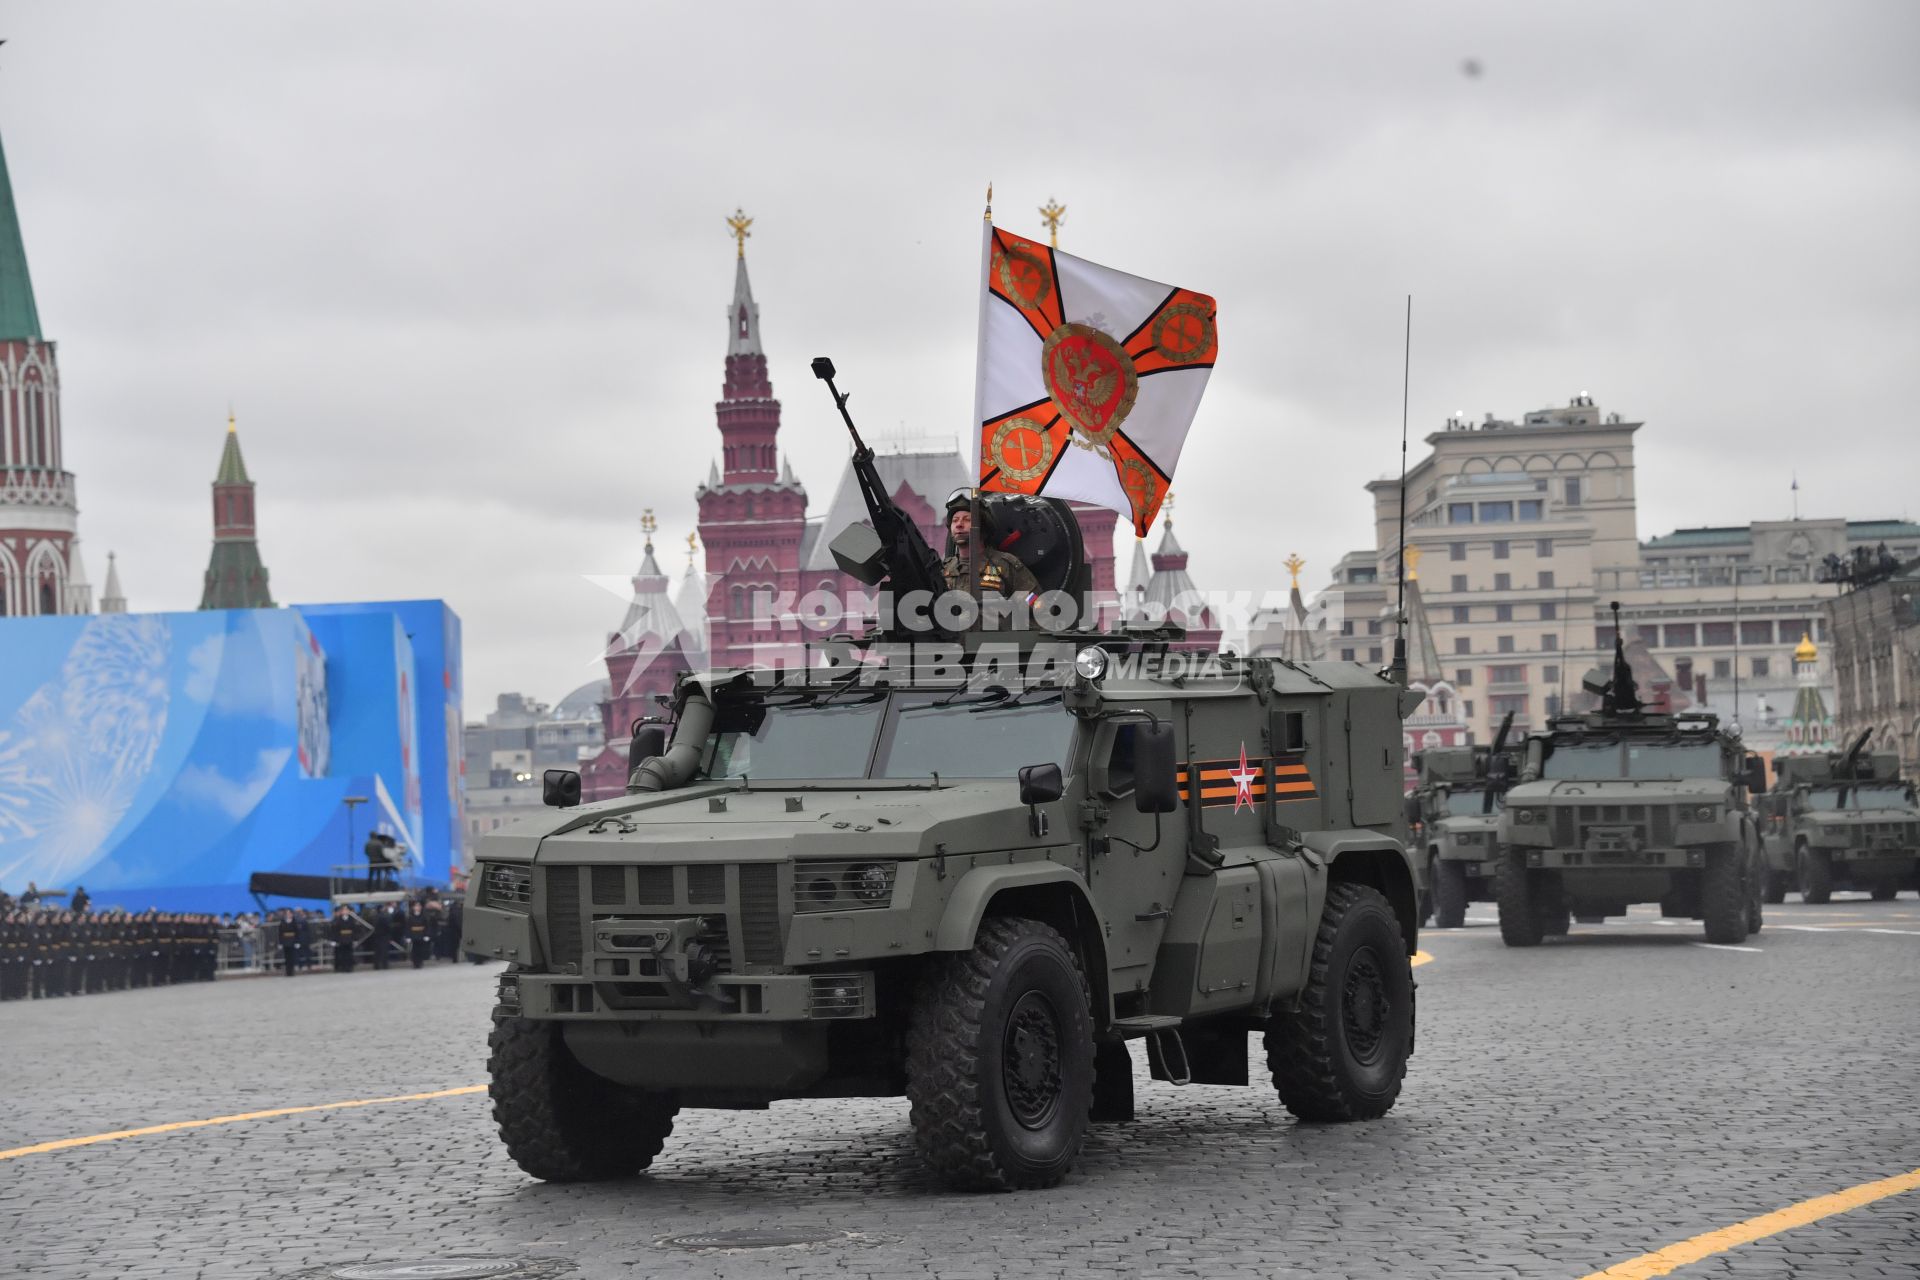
{"x": 563, "y": 915}
{"x": 506, "y": 885}
{"x": 706, "y": 884}
{"x": 838, "y": 995}
{"x": 656, "y": 884}
{"x": 842, "y": 886}
{"x": 609, "y": 886}
{"x": 760, "y": 912}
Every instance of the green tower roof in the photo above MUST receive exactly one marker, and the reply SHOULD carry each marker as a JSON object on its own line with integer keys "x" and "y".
{"x": 19, "y": 318}
{"x": 233, "y": 469}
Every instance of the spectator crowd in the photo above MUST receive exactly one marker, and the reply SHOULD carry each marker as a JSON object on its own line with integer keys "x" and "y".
{"x": 48, "y": 951}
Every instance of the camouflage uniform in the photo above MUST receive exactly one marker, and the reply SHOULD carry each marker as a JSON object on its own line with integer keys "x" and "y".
{"x": 1002, "y": 573}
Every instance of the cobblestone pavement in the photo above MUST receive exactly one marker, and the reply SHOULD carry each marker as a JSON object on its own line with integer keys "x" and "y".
{"x": 1569, "y": 1107}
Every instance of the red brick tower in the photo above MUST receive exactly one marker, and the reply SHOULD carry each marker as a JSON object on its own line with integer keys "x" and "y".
{"x": 39, "y": 518}
{"x": 753, "y": 513}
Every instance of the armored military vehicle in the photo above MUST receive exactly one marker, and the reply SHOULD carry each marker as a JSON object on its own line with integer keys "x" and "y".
{"x": 1843, "y": 820}
{"x": 1455, "y": 811}
{"x": 972, "y": 875}
{"x": 1624, "y": 805}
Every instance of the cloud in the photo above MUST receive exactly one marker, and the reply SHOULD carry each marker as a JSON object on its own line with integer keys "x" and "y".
{"x": 207, "y": 785}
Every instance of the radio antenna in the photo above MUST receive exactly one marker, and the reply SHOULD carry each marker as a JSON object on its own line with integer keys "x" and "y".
{"x": 1398, "y": 672}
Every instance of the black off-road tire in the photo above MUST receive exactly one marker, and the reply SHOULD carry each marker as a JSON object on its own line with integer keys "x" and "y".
{"x": 1342, "y": 1053}
{"x": 1884, "y": 892}
{"x": 1112, "y": 1083}
{"x": 562, "y": 1123}
{"x": 1757, "y": 878}
{"x": 1778, "y": 883}
{"x": 1723, "y": 895}
{"x": 1816, "y": 878}
{"x": 1449, "y": 894}
{"x": 1515, "y": 893}
{"x": 1000, "y": 1060}
{"x": 1556, "y": 922}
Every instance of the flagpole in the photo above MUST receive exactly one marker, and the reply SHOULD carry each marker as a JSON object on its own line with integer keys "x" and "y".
{"x": 974, "y": 537}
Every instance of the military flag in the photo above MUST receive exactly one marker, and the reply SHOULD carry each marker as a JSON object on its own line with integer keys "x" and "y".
{"x": 1088, "y": 378}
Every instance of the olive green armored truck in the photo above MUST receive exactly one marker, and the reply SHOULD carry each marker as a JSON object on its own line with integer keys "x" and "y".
{"x": 974, "y": 891}
{"x": 1623, "y": 805}
{"x": 1456, "y": 811}
{"x": 1842, "y": 820}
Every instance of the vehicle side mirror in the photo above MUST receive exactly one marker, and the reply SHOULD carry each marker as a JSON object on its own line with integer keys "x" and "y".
{"x": 1040, "y": 783}
{"x": 1413, "y": 809}
{"x": 1756, "y": 776}
{"x": 1156, "y": 774}
{"x": 649, "y": 740}
{"x": 560, "y": 788}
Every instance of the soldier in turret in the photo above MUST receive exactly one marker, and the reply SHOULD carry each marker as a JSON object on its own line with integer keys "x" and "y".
{"x": 1000, "y": 572}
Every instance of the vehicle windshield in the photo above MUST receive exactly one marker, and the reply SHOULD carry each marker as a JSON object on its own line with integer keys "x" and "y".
{"x": 1584, "y": 761}
{"x": 975, "y": 741}
{"x": 1673, "y": 760}
{"x": 1882, "y": 795}
{"x": 834, "y": 741}
{"x": 1470, "y": 802}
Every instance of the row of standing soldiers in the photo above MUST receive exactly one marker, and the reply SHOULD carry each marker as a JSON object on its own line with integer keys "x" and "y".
{"x": 67, "y": 953}
{"x": 419, "y": 931}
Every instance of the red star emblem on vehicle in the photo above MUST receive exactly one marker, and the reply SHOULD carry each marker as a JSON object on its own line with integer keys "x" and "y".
{"x": 1243, "y": 781}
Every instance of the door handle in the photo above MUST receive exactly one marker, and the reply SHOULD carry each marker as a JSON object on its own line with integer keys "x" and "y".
{"x": 1158, "y": 913}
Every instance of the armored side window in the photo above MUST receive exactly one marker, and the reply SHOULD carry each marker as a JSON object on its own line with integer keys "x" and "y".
{"x": 1120, "y": 761}
{"x": 1293, "y": 731}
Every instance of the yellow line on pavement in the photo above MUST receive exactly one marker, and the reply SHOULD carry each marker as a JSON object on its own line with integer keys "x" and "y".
{"x": 1664, "y": 1261}
{"x": 1420, "y": 958}
{"x": 63, "y": 1144}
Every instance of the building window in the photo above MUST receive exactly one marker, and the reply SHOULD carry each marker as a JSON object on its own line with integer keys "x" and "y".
{"x": 1762, "y": 668}
{"x": 1467, "y": 706}
{"x": 1346, "y": 627}
{"x": 1549, "y": 643}
{"x": 1496, "y": 513}
{"x": 1500, "y": 549}
{"x": 1373, "y": 628}
{"x": 1549, "y": 675}
{"x": 1716, "y": 633}
{"x": 1459, "y": 582}
{"x": 1544, "y": 548}
{"x": 1456, "y": 551}
{"x": 1502, "y": 703}
{"x": 1573, "y": 491}
{"x": 1503, "y": 644}
{"x": 1462, "y": 644}
{"x": 1530, "y": 508}
{"x": 1756, "y": 633}
{"x": 1683, "y": 673}
{"x": 1648, "y": 636}
{"x": 1549, "y": 611}
{"x": 1461, "y": 613}
{"x": 1513, "y": 673}
{"x": 1373, "y": 654}
{"x": 1682, "y": 635}
{"x": 1463, "y": 678}
{"x": 1722, "y": 668}
{"x": 1603, "y": 637}
{"x": 1503, "y": 613}
{"x": 1346, "y": 655}
{"x": 1546, "y": 579}
{"x": 1503, "y": 582}
{"x": 1459, "y": 513}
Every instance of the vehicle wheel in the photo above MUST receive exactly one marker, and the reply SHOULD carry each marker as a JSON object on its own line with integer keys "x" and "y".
{"x": 1514, "y": 891}
{"x": 1000, "y": 1060}
{"x": 1885, "y": 892}
{"x": 1723, "y": 896}
{"x": 1757, "y": 879}
{"x": 1425, "y": 902}
{"x": 1112, "y": 1083}
{"x": 1816, "y": 878}
{"x": 1449, "y": 894}
{"x": 562, "y": 1123}
{"x": 1342, "y": 1054}
{"x": 1555, "y": 922}
{"x": 1777, "y": 882}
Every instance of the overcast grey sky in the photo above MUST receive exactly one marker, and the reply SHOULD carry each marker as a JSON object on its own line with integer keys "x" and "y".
{"x": 462, "y": 270}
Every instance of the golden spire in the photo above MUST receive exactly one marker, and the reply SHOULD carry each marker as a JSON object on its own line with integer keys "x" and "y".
{"x": 1806, "y": 651}
{"x": 739, "y": 223}
{"x": 1166, "y": 510}
{"x": 647, "y": 525}
{"x": 230, "y": 427}
{"x": 1411, "y": 558}
{"x": 989, "y": 214}
{"x": 1051, "y": 212}
{"x": 693, "y": 540}
{"x": 1294, "y": 565}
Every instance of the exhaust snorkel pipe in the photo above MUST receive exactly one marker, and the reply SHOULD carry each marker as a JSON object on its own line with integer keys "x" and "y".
{"x": 676, "y": 767}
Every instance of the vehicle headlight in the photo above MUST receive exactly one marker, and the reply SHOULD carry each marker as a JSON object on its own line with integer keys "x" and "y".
{"x": 506, "y": 886}
{"x": 1705, "y": 813}
{"x": 1525, "y": 817}
{"x": 1090, "y": 663}
{"x": 870, "y": 882}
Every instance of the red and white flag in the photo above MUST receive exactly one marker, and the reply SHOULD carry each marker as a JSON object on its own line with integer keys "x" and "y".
{"x": 1088, "y": 378}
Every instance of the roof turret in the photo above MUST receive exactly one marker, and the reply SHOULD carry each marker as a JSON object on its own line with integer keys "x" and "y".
{"x": 19, "y": 317}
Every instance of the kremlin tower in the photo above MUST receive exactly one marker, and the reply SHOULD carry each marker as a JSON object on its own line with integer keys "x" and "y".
{"x": 235, "y": 577}
{"x": 40, "y": 569}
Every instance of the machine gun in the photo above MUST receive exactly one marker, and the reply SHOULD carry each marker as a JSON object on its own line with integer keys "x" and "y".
{"x": 1620, "y": 694}
{"x": 894, "y": 548}
{"x": 1848, "y": 768}
{"x": 1499, "y": 766}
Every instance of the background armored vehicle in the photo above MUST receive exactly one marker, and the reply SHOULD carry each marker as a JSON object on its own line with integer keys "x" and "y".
{"x": 1455, "y": 812}
{"x": 969, "y": 872}
{"x": 1844, "y": 820}
{"x": 1620, "y": 806}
